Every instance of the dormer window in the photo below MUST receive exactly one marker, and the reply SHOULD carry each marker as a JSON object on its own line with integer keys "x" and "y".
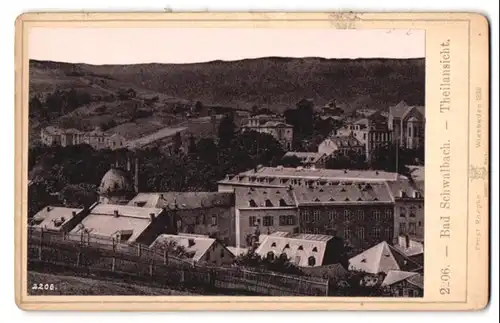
{"x": 273, "y": 245}
{"x": 287, "y": 246}
{"x": 252, "y": 203}
{"x": 283, "y": 202}
{"x": 315, "y": 249}
{"x": 269, "y": 203}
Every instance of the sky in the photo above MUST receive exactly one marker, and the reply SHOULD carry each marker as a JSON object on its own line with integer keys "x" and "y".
{"x": 190, "y": 45}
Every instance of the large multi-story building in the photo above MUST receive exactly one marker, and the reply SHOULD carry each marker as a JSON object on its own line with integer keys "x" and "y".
{"x": 361, "y": 206}
{"x": 341, "y": 144}
{"x": 275, "y": 126}
{"x": 52, "y": 136}
{"x": 262, "y": 211}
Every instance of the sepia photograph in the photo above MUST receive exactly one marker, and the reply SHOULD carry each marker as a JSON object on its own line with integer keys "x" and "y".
{"x": 226, "y": 161}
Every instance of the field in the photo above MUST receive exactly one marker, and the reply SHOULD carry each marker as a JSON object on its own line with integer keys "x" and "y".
{"x": 68, "y": 285}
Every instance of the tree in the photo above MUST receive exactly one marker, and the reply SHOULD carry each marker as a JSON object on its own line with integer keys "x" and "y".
{"x": 226, "y": 129}
{"x": 351, "y": 160}
{"x": 391, "y": 158}
{"x": 79, "y": 195}
{"x": 291, "y": 161}
{"x": 35, "y": 107}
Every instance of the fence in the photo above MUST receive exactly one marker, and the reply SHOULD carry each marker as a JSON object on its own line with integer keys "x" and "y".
{"x": 105, "y": 256}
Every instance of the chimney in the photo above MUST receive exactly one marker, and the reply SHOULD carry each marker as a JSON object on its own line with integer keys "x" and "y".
{"x": 407, "y": 241}
{"x": 191, "y": 242}
{"x": 116, "y": 213}
{"x": 136, "y": 175}
{"x": 401, "y": 193}
{"x": 151, "y": 217}
{"x": 74, "y": 213}
{"x": 345, "y": 171}
{"x": 49, "y": 208}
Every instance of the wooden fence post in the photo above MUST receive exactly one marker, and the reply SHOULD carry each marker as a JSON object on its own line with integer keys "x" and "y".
{"x": 151, "y": 268}
{"x": 113, "y": 264}
{"x": 165, "y": 257}
{"x": 327, "y": 286}
{"x": 139, "y": 250}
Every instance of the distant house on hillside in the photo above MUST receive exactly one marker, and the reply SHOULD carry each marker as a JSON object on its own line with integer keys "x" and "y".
{"x": 195, "y": 248}
{"x": 52, "y": 136}
{"x": 273, "y": 125}
{"x": 308, "y": 159}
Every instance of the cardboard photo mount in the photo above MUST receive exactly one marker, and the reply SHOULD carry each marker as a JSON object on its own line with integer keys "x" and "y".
{"x": 456, "y": 213}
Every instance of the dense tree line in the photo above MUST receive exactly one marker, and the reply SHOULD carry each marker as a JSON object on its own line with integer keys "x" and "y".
{"x": 57, "y": 103}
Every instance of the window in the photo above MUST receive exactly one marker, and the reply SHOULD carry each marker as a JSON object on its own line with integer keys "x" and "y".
{"x": 311, "y": 261}
{"x": 376, "y": 233}
{"x": 402, "y": 212}
{"x": 297, "y": 260}
{"x": 207, "y": 255}
{"x": 347, "y": 215}
{"x": 268, "y": 221}
{"x": 214, "y": 219}
{"x": 412, "y": 228}
{"x": 419, "y": 223}
{"x": 402, "y": 228}
{"x": 388, "y": 233}
{"x": 198, "y": 219}
{"x": 269, "y": 203}
{"x": 283, "y": 202}
{"x": 360, "y": 233}
{"x": 315, "y": 249}
{"x": 316, "y": 216}
{"x": 252, "y": 221}
{"x": 361, "y": 215}
{"x": 347, "y": 233}
{"x": 305, "y": 216}
{"x": 316, "y": 231}
{"x": 252, "y": 203}
{"x": 290, "y": 220}
{"x": 410, "y": 293}
{"x": 222, "y": 253}
{"x": 413, "y": 212}
{"x": 388, "y": 214}
{"x": 376, "y": 214}
{"x": 331, "y": 216}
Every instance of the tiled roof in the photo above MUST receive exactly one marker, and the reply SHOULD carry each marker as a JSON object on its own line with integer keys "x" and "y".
{"x": 257, "y": 197}
{"x": 343, "y": 193}
{"x": 396, "y": 276}
{"x": 414, "y": 248}
{"x": 382, "y": 258}
{"x": 183, "y": 200}
{"x": 402, "y": 108}
{"x": 103, "y": 221}
{"x": 53, "y": 217}
{"x": 417, "y": 172}
{"x": 417, "y": 280}
{"x": 405, "y": 189}
{"x": 196, "y": 246}
{"x": 345, "y": 141}
{"x": 319, "y": 174}
{"x": 297, "y": 247}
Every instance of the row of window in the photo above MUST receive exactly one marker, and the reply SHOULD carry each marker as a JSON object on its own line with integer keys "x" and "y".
{"x": 268, "y": 220}
{"x": 349, "y": 215}
{"x": 359, "y": 233}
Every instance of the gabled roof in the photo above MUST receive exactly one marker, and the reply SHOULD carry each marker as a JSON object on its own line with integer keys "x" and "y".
{"x": 396, "y": 276}
{"x": 183, "y": 200}
{"x": 382, "y": 258}
{"x": 196, "y": 247}
{"x": 342, "y": 193}
{"x": 103, "y": 220}
{"x": 257, "y": 197}
{"x": 299, "y": 248}
{"x": 344, "y": 141}
{"x": 402, "y": 108}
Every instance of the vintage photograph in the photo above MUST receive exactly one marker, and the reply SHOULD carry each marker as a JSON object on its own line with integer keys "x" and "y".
{"x": 226, "y": 161}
